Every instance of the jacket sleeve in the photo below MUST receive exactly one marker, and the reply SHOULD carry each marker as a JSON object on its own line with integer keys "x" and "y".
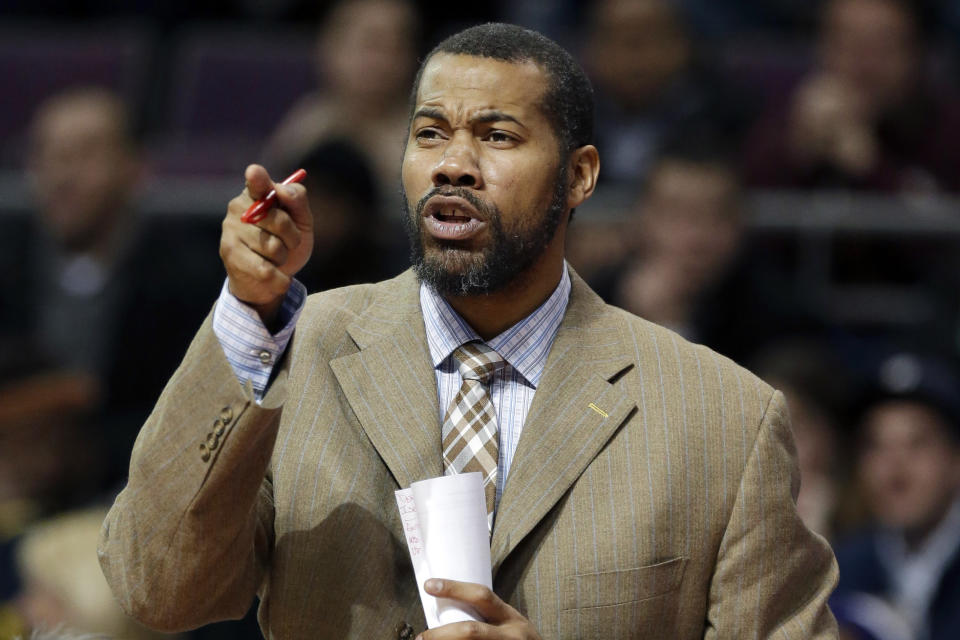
{"x": 187, "y": 540}
{"x": 773, "y": 575}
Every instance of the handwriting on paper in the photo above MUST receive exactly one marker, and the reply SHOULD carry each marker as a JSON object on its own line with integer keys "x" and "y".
{"x": 411, "y": 522}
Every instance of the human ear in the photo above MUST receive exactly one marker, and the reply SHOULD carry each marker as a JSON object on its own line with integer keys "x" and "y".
{"x": 583, "y": 170}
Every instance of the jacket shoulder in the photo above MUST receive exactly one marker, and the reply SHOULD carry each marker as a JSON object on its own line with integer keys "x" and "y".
{"x": 343, "y": 305}
{"x": 686, "y": 368}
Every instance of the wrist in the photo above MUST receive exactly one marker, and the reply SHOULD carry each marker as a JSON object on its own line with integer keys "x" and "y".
{"x": 269, "y": 310}
{"x": 270, "y": 313}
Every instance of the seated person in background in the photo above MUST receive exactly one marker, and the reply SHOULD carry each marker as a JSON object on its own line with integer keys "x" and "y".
{"x": 908, "y": 467}
{"x": 91, "y": 289}
{"x": 650, "y": 85}
{"x": 685, "y": 266}
{"x": 366, "y": 56}
{"x": 84, "y": 166}
{"x": 350, "y": 246}
{"x": 99, "y": 304}
{"x": 866, "y": 117}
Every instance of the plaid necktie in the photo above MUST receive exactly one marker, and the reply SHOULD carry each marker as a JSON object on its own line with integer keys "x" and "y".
{"x": 470, "y": 440}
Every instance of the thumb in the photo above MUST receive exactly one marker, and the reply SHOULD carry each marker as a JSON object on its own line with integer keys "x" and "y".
{"x": 258, "y": 180}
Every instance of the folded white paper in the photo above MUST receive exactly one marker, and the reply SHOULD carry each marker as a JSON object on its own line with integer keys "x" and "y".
{"x": 445, "y": 523}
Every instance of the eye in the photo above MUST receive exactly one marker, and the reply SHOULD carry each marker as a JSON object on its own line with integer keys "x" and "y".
{"x": 428, "y": 133}
{"x": 501, "y": 137}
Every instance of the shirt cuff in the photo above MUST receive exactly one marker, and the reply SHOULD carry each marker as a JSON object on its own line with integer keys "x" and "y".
{"x": 250, "y": 348}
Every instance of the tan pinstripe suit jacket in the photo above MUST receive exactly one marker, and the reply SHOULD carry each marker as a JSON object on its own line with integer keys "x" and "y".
{"x": 651, "y": 495}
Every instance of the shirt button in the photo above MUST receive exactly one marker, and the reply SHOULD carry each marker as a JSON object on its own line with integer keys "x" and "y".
{"x": 265, "y": 356}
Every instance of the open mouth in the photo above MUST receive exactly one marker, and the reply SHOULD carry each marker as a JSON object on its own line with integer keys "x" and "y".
{"x": 452, "y": 218}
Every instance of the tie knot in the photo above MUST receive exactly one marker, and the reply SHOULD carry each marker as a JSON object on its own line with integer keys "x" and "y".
{"x": 477, "y": 361}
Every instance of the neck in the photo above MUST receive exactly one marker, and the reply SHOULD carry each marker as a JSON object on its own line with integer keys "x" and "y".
{"x": 102, "y": 243}
{"x": 493, "y": 313}
{"x": 916, "y": 537}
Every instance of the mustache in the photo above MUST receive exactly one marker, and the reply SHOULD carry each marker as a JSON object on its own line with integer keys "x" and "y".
{"x": 488, "y": 211}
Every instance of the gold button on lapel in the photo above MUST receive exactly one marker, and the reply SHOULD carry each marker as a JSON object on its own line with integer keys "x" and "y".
{"x": 204, "y": 452}
{"x": 212, "y": 442}
{"x": 226, "y": 415}
{"x": 598, "y": 410}
{"x": 218, "y": 427}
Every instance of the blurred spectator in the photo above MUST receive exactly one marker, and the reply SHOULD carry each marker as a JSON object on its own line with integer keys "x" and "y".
{"x": 817, "y": 391}
{"x": 867, "y": 116}
{"x": 366, "y": 57}
{"x": 63, "y": 586}
{"x": 349, "y": 246}
{"x": 649, "y": 85}
{"x": 908, "y": 467}
{"x": 91, "y": 292}
{"x": 85, "y": 167}
{"x": 686, "y": 266}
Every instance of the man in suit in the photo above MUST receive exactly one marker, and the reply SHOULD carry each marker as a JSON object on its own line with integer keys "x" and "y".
{"x": 644, "y": 487}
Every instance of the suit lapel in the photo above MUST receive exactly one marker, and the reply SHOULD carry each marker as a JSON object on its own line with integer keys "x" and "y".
{"x": 390, "y": 383}
{"x": 391, "y": 387}
{"x": 575, "y": 411}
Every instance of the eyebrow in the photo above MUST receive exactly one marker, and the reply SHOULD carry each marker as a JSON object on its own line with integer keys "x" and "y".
{"x": 490, "y": 115}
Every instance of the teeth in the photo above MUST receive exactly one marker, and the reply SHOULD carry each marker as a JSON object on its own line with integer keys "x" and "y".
{"x": 452, "y": 213}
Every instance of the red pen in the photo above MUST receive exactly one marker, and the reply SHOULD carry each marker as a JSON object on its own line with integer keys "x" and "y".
{"x": 258, "y": 210}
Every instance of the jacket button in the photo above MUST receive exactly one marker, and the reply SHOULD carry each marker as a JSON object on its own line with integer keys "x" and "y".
{"x": 404, "y": 631}
{"x": 204, "y": 452}
{"x": 218, "y": 427}
{"x": 212, "y": 442}
{"x": 226, "y": 415}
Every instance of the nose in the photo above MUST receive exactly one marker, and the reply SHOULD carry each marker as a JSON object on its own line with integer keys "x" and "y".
{"x": 458, "y": 166}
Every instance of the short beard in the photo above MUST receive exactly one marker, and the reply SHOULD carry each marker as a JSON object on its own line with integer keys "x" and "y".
{"x": 458, "y": 272}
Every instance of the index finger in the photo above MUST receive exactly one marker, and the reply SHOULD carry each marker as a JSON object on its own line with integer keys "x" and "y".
{"x": 484, "y": 600}
{"x": 258, "y": 210}
{"x": 258, "y": 182}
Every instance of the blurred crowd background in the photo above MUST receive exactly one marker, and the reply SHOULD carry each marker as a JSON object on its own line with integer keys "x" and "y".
{"x": 780, "y": 180}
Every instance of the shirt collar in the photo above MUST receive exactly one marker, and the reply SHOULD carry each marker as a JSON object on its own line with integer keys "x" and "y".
{"x": 524, "y": 346}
